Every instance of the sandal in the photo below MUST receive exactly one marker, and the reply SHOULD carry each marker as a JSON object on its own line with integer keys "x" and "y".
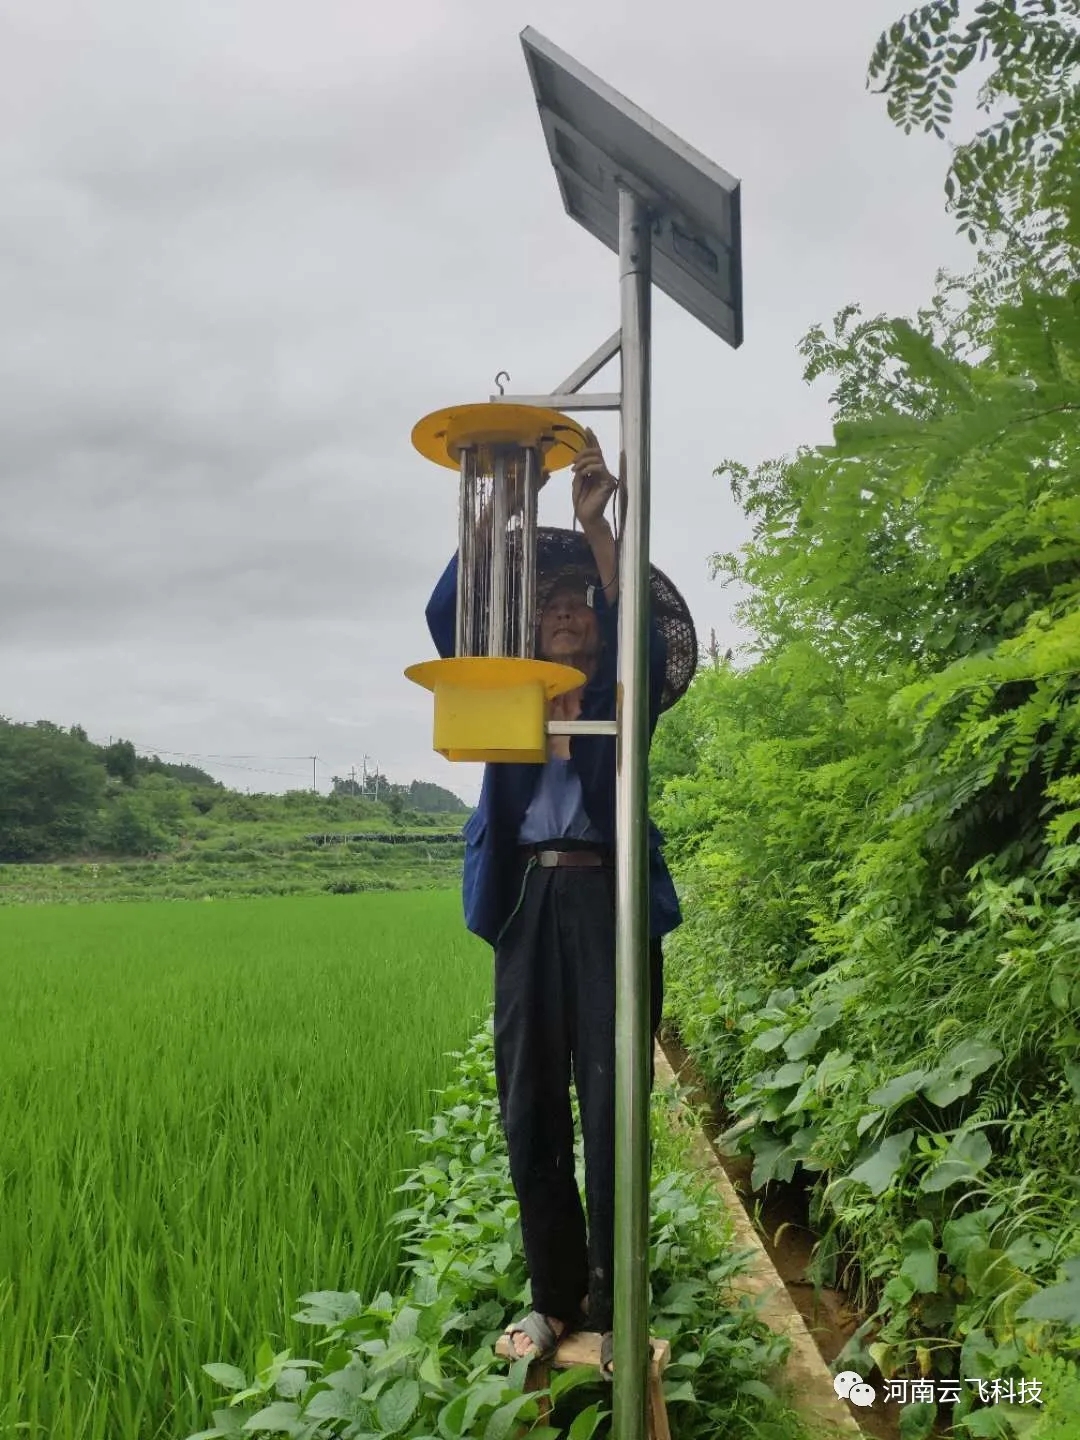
{"x": 607, "y": 1354}
{"x": 535, "y": 1326}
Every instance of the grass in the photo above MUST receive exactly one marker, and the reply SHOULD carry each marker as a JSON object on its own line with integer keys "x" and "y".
{"x": 223, "y": 865}
{"x": 421, "y": 1362}
{"x": 203, "y": 1112}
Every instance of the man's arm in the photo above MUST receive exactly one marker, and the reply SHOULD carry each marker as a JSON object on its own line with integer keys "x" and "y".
{"x": 606, "y": 554}
{"x": 593, "y": 487}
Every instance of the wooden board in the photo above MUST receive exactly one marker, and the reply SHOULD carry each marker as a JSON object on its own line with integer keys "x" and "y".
{"x": 583, "y": 1348}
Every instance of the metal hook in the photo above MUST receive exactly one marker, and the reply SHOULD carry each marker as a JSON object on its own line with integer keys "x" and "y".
{"x": 498, "y": 378}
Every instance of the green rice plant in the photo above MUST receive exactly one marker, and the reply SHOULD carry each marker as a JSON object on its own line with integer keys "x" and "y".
{"x": 203, "y": 1112}
{"x": 421, "y": 1362}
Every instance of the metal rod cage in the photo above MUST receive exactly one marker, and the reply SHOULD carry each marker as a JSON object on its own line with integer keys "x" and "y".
{"x": 496, "y": 590}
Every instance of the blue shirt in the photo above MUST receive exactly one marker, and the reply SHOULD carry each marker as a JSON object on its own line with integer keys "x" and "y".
{"x": 557, "y": 808}
{"x": 491, "y": 878}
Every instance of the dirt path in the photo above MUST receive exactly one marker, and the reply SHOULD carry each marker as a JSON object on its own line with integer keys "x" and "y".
{"x": 781, "y": 1226}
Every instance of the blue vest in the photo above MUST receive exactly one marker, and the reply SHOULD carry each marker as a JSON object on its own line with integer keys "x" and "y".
{"x": 557, "y": 808}
{"x": 491, "y": 833}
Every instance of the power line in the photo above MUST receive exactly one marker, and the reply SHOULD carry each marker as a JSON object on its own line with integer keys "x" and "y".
{"x": 229, "y": 761}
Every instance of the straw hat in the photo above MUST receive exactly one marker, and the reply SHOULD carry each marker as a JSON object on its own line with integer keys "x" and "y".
{"x": 564, "y": 557}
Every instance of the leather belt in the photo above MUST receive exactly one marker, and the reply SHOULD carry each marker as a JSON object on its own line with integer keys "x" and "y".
{"x": 551, "y": 859}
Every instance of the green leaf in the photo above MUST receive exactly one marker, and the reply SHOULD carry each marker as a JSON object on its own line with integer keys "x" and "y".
{"x": 1057, "y": 1302}
{"x": 501, "y": 1421}
{"x": 786, "y": 1076}
{"x": 770, "y": 1039}
{"x": 951, "y": 1086}
{"x": 452, "y": 1418}
{"x": 585, "y": 1423}
{"x": 898, "y": 1090}
{"x": 769, "y": 1163}
{"x": 228, "y": 1376}
{"x": 1060, "y": 985}
{"x": 398, "y": 1405}
{"x": 969, "y": 1232}
{"x": 881, "y": 1168}
{"x": 570, "y": 1379}
{"x": 920, "y": 1266}
{"x": 917, "y": 1421}
{"x": 802, "y": 1042}
{"x": 968, "y": 1154}
{"x": 404, "y": 1324}
{"x": 679, "y": 1390}
{"x": 280, "y": 1418}
{"x": 974, "y": 1055}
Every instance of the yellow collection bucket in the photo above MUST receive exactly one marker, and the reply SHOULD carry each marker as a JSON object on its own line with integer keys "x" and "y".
{"x": 493, "y": 710}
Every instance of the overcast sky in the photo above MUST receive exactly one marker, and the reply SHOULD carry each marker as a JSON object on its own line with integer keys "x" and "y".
{"x": 246, "y": 244}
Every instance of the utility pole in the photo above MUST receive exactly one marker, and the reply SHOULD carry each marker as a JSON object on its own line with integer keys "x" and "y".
{"x": 314, "y": 782}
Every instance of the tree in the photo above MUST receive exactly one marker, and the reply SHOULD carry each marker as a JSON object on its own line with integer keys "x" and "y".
{"x": 51, "y": 785}
{"x": 1015, "y": 186}
{"x": 433, "y": 799}
{"x": 395, "y": 803}
{"x": 120, "y": 760}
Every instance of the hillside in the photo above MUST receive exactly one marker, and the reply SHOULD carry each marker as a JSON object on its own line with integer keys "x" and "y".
{"x": 86, "y": 822}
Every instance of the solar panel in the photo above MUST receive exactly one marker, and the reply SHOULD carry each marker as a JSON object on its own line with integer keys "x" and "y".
{"x": 597, "y": 138}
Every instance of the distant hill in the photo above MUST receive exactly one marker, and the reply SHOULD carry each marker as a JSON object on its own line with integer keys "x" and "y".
{"x": 420, "y": 795}
{"x": 61, "y": 796}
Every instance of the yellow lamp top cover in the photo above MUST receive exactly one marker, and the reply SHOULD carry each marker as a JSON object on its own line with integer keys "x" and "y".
{"x": 443, "y": 435}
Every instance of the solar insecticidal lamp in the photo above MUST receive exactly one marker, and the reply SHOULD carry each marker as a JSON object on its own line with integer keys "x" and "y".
{"x": 673, "y": 218}
{"x": 491, "y": 697}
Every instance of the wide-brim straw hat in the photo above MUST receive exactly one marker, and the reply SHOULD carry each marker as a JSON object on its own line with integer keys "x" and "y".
{"x": 564, "y": 557}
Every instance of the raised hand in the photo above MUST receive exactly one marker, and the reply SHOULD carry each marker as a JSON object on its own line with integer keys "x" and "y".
{"x": 593, "y": 484}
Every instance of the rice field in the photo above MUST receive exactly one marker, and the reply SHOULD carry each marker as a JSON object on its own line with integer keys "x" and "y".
{"x": 203, "y": 1111}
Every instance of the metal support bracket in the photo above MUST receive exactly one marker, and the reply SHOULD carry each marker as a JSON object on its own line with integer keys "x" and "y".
{"x": 566, "y": 396}
{"x": 582, "y": 727}
{"x": 568, "y": 401}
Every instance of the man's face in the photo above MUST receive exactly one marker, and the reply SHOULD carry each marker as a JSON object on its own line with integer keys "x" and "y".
{"x": 568, "y": 627}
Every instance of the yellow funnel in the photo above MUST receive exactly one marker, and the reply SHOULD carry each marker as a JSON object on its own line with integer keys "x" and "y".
{"x": 489, "y": 709}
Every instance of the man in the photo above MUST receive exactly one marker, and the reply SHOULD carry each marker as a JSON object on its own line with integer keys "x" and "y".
{"x": 539, "y": 887}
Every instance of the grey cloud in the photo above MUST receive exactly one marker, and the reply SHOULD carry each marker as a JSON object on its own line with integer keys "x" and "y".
{"x": 244, "y": 248}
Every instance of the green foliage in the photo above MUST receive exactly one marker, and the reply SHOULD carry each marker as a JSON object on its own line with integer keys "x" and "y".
{"x": 421, "y": 1363}
{"x": 1014, "y": 185}
{"x": 204, "y": 1108}
{"x": 61, "y": 797}
{"x": 120, "y": 760}
{"x": 50, "y": 788}
{"x": 433, "y": 799}
{"x": 874, "y": 828}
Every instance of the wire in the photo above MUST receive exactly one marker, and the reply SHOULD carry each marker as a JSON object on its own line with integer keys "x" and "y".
{"x": 227, "y": 762}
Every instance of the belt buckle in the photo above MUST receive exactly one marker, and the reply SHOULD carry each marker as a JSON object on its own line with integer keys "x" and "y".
{"x": 548, "y": 859}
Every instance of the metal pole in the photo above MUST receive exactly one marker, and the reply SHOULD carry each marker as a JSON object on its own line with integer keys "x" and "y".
{"x": 497, "y": 633}
{"x": 466, "y": 534}
{"x": 527, "y": 619}
{"x": 632, "y": 1027}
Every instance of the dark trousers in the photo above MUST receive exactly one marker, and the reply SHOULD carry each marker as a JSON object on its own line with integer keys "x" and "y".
{"x": 555, "y": 1013}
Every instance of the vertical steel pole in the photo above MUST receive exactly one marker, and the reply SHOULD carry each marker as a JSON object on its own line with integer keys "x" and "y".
{"x": 527, "y": 631}
{"x": 632, "y": 1028}
{"x": 497, "y": 631}
{"x": 466, "y": 539}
